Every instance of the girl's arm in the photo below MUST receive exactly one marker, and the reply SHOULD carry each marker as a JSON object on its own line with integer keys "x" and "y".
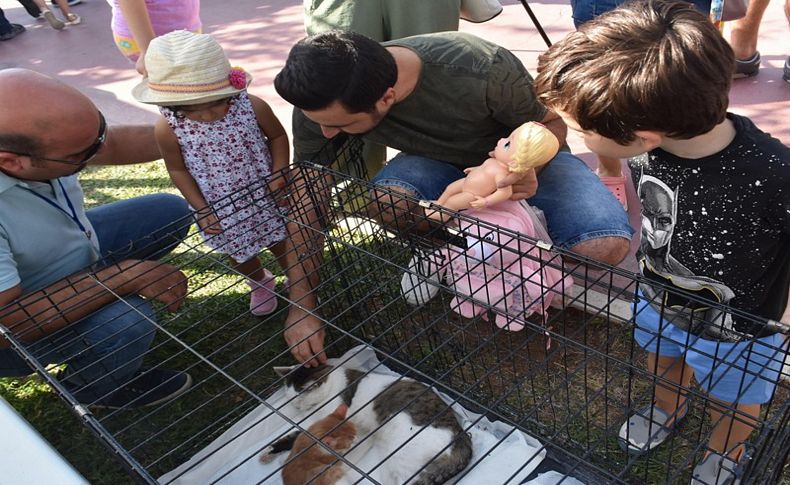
{"x": 136, "y": 15}
{"x": 171, "y": 152}
{"x": 274, "y": 131}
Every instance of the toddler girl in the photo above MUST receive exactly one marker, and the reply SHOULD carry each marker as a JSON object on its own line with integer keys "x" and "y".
{"x": 218, "y": 143}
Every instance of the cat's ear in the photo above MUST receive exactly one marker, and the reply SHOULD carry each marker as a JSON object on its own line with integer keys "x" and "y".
{"x": 282, "y": 371}
{"x": 341, "y": 411}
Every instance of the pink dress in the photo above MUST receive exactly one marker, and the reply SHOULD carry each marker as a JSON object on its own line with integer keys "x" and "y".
{"x": 230, "y": 161}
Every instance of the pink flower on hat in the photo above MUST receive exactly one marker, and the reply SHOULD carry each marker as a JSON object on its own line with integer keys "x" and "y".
{"x": 237, "y": 77}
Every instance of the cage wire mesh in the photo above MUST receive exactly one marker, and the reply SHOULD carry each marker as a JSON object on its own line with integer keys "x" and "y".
{"x": 569, "y": 378}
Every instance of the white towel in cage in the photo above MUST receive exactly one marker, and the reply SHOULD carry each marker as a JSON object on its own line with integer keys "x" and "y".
{"x": 506, "y": 455}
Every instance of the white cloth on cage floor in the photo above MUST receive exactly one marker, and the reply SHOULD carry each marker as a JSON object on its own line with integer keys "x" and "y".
{"x": 553, "y": 478}
{"x": 505, "y": 454}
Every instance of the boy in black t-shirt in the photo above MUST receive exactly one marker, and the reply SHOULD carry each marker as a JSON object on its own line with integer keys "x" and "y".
{"x": 650, "y": 82}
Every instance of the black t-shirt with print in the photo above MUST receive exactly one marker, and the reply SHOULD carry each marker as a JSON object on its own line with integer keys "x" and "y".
{"x": 720, "y": 223}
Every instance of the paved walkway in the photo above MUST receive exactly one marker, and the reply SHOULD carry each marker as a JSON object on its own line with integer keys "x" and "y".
{"x": 258, "y": 34}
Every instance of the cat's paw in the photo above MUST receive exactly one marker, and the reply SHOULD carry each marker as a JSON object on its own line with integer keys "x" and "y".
{"x": 267, "y": 456}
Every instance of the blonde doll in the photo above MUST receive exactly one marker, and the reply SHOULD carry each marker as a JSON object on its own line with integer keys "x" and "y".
{"x": 528, "y": 146}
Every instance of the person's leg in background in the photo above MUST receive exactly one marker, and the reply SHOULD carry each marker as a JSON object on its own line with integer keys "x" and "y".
{"x": 31, "y": 8}
{"x": 743, "y": 39}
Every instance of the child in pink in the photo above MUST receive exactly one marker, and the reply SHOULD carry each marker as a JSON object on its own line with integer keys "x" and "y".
{"x": 136, "y": 22}
{"x": 221, "y": 147}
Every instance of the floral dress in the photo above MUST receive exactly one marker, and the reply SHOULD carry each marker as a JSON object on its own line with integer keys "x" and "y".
{"x": 230, "y": 161}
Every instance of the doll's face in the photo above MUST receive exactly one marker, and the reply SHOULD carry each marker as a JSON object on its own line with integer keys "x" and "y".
{"x": 504, "y": 150}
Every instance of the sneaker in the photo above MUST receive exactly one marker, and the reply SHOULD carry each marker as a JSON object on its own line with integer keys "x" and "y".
{"x": 748, "y": 67}
{"x": 263, "y": 299}
{"x": 16, "y": 29}
{"x": 716, "y": 469}
{"x": 55, "y": 22}
{"x": 786, "y": 75}
{"x": 421, "y": 282}
{"x": 646, "y": 429}
{"x": 148, "y": 387}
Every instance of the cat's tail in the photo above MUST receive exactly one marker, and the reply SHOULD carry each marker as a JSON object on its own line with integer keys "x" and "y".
{"x": 448, "y": 464}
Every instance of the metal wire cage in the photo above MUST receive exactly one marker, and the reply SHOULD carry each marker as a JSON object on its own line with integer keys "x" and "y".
{"x": 569, "y": 376}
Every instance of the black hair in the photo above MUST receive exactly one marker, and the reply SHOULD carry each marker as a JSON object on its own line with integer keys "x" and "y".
{"x": 336, "y": 66}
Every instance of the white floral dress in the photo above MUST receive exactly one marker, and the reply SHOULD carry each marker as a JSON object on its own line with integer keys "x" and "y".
{"x": 230, "y": 161}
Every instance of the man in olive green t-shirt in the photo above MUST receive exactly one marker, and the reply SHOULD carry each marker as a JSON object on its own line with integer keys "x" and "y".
{"x": 443, "y": 100}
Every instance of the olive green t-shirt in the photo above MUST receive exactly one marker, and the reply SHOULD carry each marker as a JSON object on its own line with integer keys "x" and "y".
{"x": 470, "y": 93}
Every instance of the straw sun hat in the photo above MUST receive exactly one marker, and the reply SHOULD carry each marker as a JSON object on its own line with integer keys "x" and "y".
{"x": 186, "y": 68}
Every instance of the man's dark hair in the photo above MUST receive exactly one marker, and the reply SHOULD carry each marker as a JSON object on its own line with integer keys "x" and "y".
{"x": 336, "y": 66}
{"x": 649, "y": 65}
{"x": 19, "y": 144}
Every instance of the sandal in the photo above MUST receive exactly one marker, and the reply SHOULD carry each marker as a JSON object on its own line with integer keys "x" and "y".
{"x": 55, "y": 22}
{"x": 616, "y": 186}
{"x": 716, "y": 469}
{"x": 73, "y": 19}
{"x": 646, "y": 429}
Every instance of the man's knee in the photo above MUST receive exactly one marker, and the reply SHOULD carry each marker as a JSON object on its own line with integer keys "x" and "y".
{"x": 390, "y": 207}
{"x": 609, "y": 250}
{"x": 134, "y": 326}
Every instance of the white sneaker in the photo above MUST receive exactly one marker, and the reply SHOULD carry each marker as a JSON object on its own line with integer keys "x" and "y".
{"x": 421, "y": 282}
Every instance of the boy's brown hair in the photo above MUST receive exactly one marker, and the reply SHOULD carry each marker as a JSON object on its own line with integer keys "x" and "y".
{"x": 648, "y": 65}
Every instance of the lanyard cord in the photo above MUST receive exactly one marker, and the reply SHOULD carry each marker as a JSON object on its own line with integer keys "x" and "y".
{"x": 72, "y": 216}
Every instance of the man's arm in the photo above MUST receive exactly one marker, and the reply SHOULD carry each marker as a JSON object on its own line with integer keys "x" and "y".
{"x": 128, "y": 144}
{"x": 41, "y": 313}
{"x": 303, "y": 331}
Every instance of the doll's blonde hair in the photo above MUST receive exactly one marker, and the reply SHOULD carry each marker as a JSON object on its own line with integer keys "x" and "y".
{"x": 534, "y": 146}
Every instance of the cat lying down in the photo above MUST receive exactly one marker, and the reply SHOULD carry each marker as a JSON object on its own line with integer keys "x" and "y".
{"x": 404, "y": 433}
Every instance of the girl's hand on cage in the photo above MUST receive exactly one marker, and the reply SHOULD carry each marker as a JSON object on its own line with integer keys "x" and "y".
{"x": 208, "y": 221}
{"x": 276, "y": 184}
{"x": 305, "y": 338}
{"x": 524, "y": 184}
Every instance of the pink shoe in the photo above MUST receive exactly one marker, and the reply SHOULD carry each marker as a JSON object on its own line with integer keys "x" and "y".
{"x": 263, "y": 299}
{"x": 616, "y": 186}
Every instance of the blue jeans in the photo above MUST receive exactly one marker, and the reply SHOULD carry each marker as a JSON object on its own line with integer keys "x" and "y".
{"x": 104, "y": 349}
{"x": 577, "y": 206}
{"x": 5, "y": 25}
{"x": 584, "y": 10}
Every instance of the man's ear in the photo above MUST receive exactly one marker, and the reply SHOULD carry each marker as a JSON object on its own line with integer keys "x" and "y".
{"x": 649, "y": 139}
{"x": 386, "y": 101}
{"x": 10, "y": 162}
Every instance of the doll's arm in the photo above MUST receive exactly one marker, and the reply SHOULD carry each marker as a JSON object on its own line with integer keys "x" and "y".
{"x": 182, "y": 179}
{"x": 500, "y": 195}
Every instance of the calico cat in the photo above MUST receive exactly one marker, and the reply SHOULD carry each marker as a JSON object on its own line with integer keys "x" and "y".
{"x": 309, "y": 463}
{"x": 405, "y": 432}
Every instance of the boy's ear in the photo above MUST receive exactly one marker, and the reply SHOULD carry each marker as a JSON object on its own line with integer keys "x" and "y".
{"x": 650, "y": 139}
{"x": 386, "y": 101}
{"x": 10, "y": 162}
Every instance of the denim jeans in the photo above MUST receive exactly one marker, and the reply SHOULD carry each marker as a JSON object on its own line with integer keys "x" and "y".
{"x": 104, "y": 349}
{"x": 5, "y": 25}
{"x": 577, "y": 206}
{"x": 584, "y": 10}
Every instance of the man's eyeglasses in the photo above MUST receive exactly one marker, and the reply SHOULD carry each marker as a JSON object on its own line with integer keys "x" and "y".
{"x": 90, "y": 152}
